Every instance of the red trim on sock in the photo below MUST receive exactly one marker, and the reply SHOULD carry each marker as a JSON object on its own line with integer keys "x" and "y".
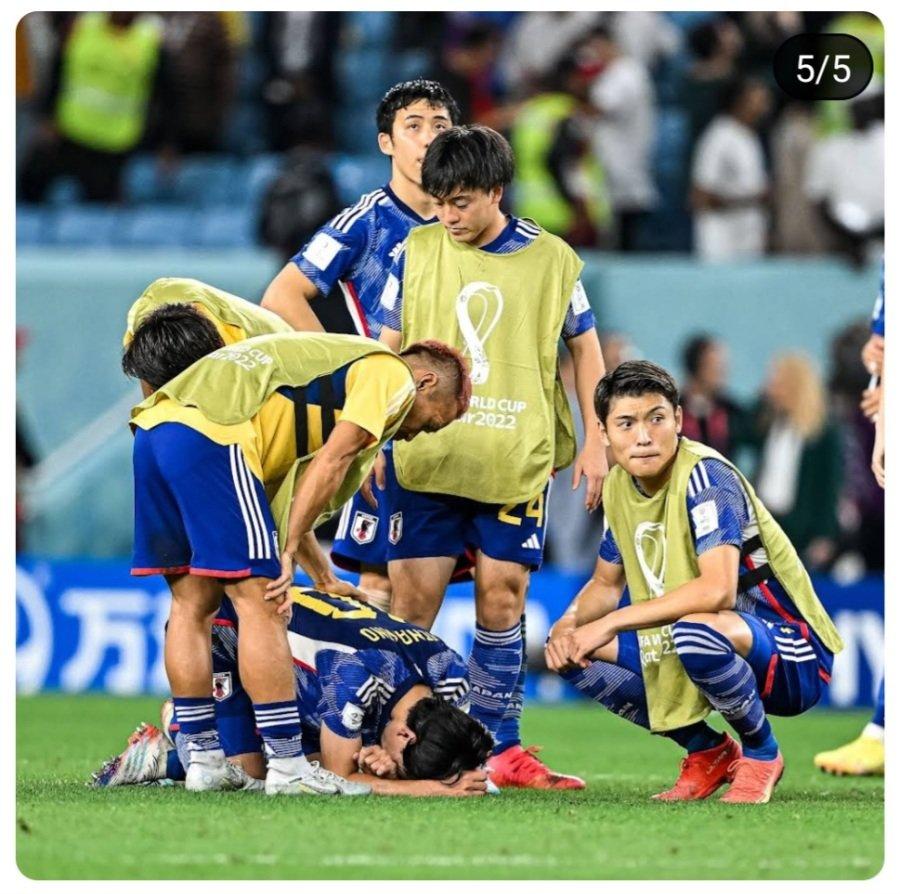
{"x": 222, "y": 622}
{"x": 172, "y": 569}
{"x": 824, "y": 674}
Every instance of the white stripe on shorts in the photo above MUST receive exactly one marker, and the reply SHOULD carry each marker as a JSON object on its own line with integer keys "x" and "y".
{"x": 265, "y": 550}
{"x": 232, "y": 456}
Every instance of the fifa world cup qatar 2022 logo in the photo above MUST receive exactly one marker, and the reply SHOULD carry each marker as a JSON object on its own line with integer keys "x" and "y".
{"x": 478, "y": 308}
{"x": 650, "y": 546}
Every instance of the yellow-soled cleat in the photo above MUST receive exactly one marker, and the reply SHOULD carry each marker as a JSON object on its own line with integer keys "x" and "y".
{"x": 861, "y": 757}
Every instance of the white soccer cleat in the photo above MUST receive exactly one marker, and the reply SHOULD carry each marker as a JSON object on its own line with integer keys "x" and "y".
{"x": 315, "y": 780}
{"x": 209, "y": 771}
{"x": 142, "y": 762}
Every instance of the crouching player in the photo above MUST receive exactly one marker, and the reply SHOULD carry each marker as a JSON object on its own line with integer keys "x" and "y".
{"x": 381, "y": 701}
{"x": 723, "y": 615}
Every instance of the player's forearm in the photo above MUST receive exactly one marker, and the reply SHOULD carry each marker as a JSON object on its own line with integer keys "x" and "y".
{"x": 698, "y": 595}
{"x": 596, "y": 600}
{"x": 414, "y": 788}
{"x": 288, "y": 295}
{"x": 587, "y": 358}
{"x": 316, "y": 487}
{"x": 312, "y": 560}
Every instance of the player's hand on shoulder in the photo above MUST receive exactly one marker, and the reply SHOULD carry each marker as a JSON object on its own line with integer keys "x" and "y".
{"x": 468, "y": 784}
{"x": 338, "y": 587}
{"x": 375, "y": 760}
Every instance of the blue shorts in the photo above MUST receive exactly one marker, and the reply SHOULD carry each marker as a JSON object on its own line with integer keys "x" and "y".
{"x": 362, "y": 533}
{"x": 423, "y": 525}
{"x": 198, "y": 509}
{"x": 790, "y": 674}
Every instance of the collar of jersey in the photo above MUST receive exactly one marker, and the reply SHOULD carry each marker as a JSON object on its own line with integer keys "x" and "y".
{"x": 405, "y": 208}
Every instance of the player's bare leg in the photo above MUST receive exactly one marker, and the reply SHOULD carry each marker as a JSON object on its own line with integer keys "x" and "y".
{"x": 418, "y": 587}
{"x": 494, "y": 666}
{"x": 375, "y": 581}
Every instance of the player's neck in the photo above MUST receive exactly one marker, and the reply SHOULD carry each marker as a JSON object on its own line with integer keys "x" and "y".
{"x": 492, "y": 230}
{"x": 412, "y": 195}
{"x": 654, "y": 484}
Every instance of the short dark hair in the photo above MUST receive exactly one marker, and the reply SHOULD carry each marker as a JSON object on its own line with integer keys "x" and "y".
{"x": 448, "y": 741}
{"x": 449, "y": 361}
{"x": 468, "y": 157}
{"x": 696, "y": 347}
{"x": 168, "y": 341}
{"x": 406, "y": 93}
{"x": 634, "y": 378}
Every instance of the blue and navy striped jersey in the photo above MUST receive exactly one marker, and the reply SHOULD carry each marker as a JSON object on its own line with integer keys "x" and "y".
{"x": 352, "y": 663}
{"x": 878, "y": 311}
{"x": 352, "y": 254}
{"x": 720, "y": 514}
{"x": 516, "y": 235}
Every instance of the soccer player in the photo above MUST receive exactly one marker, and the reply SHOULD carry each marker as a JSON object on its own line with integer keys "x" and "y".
{"x": 722, "y": 613}
{"x": 234, "y": 318}
{"x": 505, "y": 291}
{"x": 381, "y": 702}
{"x": 348, "y": 259}
{"x": 296, "y": 418}
{"x": 864, "y": 756}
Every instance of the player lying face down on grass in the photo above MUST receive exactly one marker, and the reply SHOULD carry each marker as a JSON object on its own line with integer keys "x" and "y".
{"x": 381, "y": 701}
{"x": 722, "y": 613}
{"x": 293, "y": 420}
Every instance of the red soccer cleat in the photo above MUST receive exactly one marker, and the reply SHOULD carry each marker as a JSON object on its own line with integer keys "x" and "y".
{"x": 517, "y": 767}
{"x": 753, "y": 780}
{"x": 703, "y": 772}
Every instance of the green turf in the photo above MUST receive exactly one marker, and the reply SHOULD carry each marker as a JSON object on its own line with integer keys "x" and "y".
{"x": 816, "y": 827}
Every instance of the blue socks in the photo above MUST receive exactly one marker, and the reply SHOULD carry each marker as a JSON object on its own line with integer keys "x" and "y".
{"x": 508, "y": 734}
{"x": 621, "y": 691}
{"x": 495, "y": 667}
{"x": 197, "y": 723}
{"x": 729, "y": 684}
{"x": 279, "y": 725}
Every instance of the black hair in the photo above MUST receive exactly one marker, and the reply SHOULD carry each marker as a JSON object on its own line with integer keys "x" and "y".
{"x": 693, "y": 351}
{"x": 406, "y": 93}
{"x": 703, "y": 40}
{"x": 475, "y": 157}
{"x": 169, "y": 340}
{"x": 448, "y": 742}
{"x": 634, "y": 378}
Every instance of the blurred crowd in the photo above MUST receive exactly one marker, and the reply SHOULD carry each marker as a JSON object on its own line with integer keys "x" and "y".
{"x": 633, "y": 131}
{"x": 805, "y": 442}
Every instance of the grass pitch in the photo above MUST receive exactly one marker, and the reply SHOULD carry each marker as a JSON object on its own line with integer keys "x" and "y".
{"x": 816, "y": 826}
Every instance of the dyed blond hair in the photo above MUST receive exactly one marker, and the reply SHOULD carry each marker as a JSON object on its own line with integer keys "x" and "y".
{"x": 805, "y": 394}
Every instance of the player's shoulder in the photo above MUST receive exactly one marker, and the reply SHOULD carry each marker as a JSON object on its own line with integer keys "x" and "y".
{"x": 361, "y": 214}
{"x": 711, "y": 474}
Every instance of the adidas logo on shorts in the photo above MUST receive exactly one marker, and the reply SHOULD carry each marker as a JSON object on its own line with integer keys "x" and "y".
{"x": 533, "y": 542}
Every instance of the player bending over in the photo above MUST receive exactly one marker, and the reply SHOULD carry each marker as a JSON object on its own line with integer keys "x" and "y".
{"x": 722, "y": 613}
{"x": 295, "y": 417}
{"x": 381, "y": 702}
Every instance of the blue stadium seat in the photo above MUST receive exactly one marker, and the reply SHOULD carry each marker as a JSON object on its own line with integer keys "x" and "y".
{"x": 163, "y": 225}
{"x": 245, "y": 129}
{"x": 141, "y": 181}
{"x": 355, "y": 175}
{"x": 363, "y": 76}
{"x": 64, "y": 191}
{"x": 226, "y": 226}
{"x": 204, "y": 180}
{"x": 32, "y": 225}
{"x": 87, "y": 225}
{"x": 356, "y": 131}
{"x": 368, "y": 29}
{"x": 258, "y": 172}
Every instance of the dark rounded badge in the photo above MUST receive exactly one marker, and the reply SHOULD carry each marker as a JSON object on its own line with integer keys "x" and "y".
{"x": 823, "y": 66}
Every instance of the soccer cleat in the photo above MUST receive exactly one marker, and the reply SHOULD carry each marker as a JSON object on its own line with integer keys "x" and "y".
{"x": 209, "y": 771}
{"x": 143, "y": 761}
{"x": 864, "y": 756}
{"x": 518, "y": 767}
{"x": 316, "y": 780}
{"x": 753, "y": 780}
{"x": 703, "y": 772}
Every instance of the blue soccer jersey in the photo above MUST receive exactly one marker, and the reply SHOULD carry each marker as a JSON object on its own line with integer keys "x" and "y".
{"x": 352, "y": 254}
{"x": 352, "y": 663}
{"x": 516, "y": 235}
{"x": 878, "y": 311}
{"x": 721, "y": 514}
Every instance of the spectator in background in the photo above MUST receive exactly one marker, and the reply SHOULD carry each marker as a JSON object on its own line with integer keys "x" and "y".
{"x": 729, "y": 183}
{"x": 559, "y": 182}
{"x": 96, "y": 110}
{"x": 622, "y": 95}
{"x": 845, "y": 179}
{"x": 709, "y": 415}
{"x": 535, "y": 44}
{"x": 648, "y": 37}
{"x": 715, "y": 47}
{"x": 299, "y": 90}
{"x": 800, "y": 469}
{"x": 199, "y": 81}
{"x": 764, "y": 33}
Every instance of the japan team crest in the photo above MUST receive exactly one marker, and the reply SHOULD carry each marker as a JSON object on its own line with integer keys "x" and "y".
{"x": 395, "y": 530}
{"x": 222, "y": 687}
{"x": 363, "y": 528}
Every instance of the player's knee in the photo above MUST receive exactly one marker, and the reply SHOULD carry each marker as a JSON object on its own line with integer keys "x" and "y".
{"x": 499, "y": 608}
{"x": 697, "y": 639}
{"x": 194, "y": 612}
